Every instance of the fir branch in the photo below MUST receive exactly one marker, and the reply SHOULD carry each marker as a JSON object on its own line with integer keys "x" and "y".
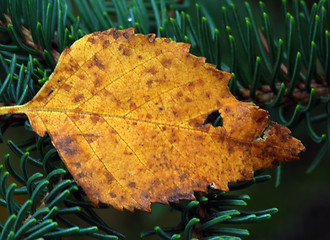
{"x": 31, "y": 45}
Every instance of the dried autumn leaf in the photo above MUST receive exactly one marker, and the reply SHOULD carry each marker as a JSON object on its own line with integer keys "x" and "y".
{"x": 126, "y": 113}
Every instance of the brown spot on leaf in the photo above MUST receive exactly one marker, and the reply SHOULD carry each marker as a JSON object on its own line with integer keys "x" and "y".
{"x": 153, "y": 136}
{"x": 149, "y": 83}
{"x": 132, "y": 106}
{"x": 188, "y": 99}
{"x": 78, "y": 98}
{"x": 66, "y": 87}
{"x": 145, "y": 195}
{"x": 90, "y": 137}
{"x": 230, "y": 149}
{"x": 67, "y": 145}
{"x": 166, "y": 62}
{"x": 132, "y": 184}
{"x": 127, "y": 52}
{"x": 126, "y": 35}
{"x": 76, "y": 117}
{"x": 198, "y": 61}
{"x": 68, "y": 69}
{"x": 151, "y": 70}
{"x": 98, "y": 83}
{"x": 113, "y": 195}
{"x": 195, "y": 124}
{"x": 191, "y": 86}
{"x": 106, "y": 93}
{"x": 109, "y": 177}
{"x": 183, "y": 176}
{"x": 105, "y": 44}
{"x": 91, "y": 40}
{"x": 81, "y": 175}
{"x": 116, "y": 34}
{"x": 200, "y": 82}
{"x": 98, "y": 62}
{"x": 95, "y": 118}
{"x": 200, "y": 137}
{"x": 177, "y": 195}
{"x": 77, "y": 164}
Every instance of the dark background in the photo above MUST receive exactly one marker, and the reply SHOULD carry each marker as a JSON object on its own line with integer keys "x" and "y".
{"x": 303, "y": 199}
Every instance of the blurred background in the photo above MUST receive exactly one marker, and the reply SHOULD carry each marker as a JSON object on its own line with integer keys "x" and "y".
{"x": 303, "y": 199}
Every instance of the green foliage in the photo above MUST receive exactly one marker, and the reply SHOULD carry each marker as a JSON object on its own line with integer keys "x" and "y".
{"x": 286, "y": 71}
{"x": 202, "y": 217}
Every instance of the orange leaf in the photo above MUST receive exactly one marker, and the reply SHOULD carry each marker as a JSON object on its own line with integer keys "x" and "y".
{"x": 127, "y": 115}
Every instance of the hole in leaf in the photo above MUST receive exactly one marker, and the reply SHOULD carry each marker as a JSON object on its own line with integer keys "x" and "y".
{"x": 262, "y": 135}
{"x": 215, "y": 119}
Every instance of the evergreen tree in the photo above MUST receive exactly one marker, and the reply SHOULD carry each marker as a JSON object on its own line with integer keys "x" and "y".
{"x": 284, "y": 69}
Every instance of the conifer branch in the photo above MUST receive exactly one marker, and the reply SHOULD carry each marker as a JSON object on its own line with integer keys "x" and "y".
{"x": 288, "y": 73}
